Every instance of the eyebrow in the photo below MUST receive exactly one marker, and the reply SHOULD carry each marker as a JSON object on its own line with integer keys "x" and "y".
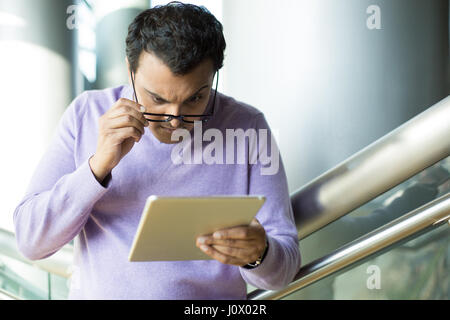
{"x": 165, "y": 101}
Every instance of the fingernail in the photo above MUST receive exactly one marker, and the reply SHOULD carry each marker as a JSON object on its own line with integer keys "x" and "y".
{"x": 201, "y": 240}
{"x": 204, "y": 248}
{"x": 217, "y": 235}
{"x": 142, "y": 108}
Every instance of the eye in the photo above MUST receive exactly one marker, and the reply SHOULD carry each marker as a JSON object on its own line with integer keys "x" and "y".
{"x": 157, "y": 99}
{"x": 195, "y": 98}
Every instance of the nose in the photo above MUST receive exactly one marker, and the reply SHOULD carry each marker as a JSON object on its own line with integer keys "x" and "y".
{"x": 175, "y": 123}
{"x": 174, "y": 110}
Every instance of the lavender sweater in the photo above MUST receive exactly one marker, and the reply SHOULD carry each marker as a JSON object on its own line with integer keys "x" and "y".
{"x": 64, "y": 201}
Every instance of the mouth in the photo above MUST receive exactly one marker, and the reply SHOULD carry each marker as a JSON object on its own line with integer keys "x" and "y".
{"x": 170, "y": 130}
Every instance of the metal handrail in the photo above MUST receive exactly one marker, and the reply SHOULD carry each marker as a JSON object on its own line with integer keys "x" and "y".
{"x": 377, "y": 168}
{"x": 5, "y": 295}
{"x": 431, "y": 215}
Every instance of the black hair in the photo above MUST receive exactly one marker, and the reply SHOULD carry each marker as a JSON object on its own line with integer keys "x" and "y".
{"x": 181, "y": 35}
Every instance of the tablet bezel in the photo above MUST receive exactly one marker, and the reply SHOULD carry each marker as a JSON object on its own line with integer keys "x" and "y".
{"x": 186, "y": 218}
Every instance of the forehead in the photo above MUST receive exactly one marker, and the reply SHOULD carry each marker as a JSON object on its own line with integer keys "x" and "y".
{"x": 156, "y": 76}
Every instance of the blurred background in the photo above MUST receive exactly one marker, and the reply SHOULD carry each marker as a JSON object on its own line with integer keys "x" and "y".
{"x": 336, "y": 75}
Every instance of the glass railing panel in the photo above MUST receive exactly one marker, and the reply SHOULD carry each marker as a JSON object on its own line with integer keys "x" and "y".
{"x": 417, "y": 269}
{"x": 420, "y": 189}
{"x": 22, "y": 280}
{"x": 30, "y": 282}
{"x": 431, "y": 183}
{"x": 59, "y": 287}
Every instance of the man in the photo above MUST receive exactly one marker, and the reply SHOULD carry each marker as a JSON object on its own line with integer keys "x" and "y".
{"x": 113, "y": 149}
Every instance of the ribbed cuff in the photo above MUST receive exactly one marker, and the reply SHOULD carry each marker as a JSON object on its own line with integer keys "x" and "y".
{"x": 87, "y": 190}
{"x": 266, "y": 266}
{"x": 257, "y": 263}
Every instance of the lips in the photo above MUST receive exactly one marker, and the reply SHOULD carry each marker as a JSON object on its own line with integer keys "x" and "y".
{"x": 169, "y": 129}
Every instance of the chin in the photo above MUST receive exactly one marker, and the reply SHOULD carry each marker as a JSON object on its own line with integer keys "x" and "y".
{"x": 168, "y": 141}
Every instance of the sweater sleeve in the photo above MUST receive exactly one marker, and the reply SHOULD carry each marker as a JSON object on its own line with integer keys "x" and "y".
{"x": 268, "y": 178}
{"x": 60, "y": 195}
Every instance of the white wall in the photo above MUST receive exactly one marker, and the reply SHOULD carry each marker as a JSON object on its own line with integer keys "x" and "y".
{"x": 328, "y": 83}
{"x": 35, "y": 87}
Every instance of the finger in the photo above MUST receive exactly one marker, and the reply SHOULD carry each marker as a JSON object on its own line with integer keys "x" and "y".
{"x": 256, "y": 223}
{"x": 233, "y": 243}
{"x": 125, "y": 106}
{"x": 243, "y": 255}
{"x": 128, "y": 111}
{"x": 125, "y": 121}
{"x": 242, "y": 232}
{"x": 127, "y": 102}
{"x": 121, "y": 134}
{"x": 213, "y": 253}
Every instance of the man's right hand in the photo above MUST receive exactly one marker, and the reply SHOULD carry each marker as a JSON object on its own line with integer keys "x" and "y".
{"x": 119, "y": 128}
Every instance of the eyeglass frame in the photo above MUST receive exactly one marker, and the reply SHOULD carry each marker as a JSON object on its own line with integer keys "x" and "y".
{"x": 205, "y": 117}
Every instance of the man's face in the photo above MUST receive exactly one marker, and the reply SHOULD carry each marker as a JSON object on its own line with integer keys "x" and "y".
{"x": 161, "y": 91}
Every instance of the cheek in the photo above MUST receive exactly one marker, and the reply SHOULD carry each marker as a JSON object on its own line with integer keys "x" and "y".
{"x": 153, "y": 125}
{"x": 156, "y": 129}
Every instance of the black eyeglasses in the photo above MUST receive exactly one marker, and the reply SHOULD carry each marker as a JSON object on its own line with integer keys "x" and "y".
{"x": 190, "y": 118}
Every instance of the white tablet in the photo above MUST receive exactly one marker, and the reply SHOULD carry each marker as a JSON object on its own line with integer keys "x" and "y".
{"x": 169, "y": 226}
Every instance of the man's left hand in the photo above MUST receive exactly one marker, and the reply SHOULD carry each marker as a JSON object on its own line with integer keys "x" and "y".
{"x": 236, "y": 246}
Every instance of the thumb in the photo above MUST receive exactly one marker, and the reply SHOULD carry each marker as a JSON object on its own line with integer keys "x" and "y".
{"x": 255, "y": 222}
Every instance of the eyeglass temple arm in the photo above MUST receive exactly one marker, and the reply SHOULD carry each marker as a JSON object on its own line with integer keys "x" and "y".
{"x": 134, "y": 90}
